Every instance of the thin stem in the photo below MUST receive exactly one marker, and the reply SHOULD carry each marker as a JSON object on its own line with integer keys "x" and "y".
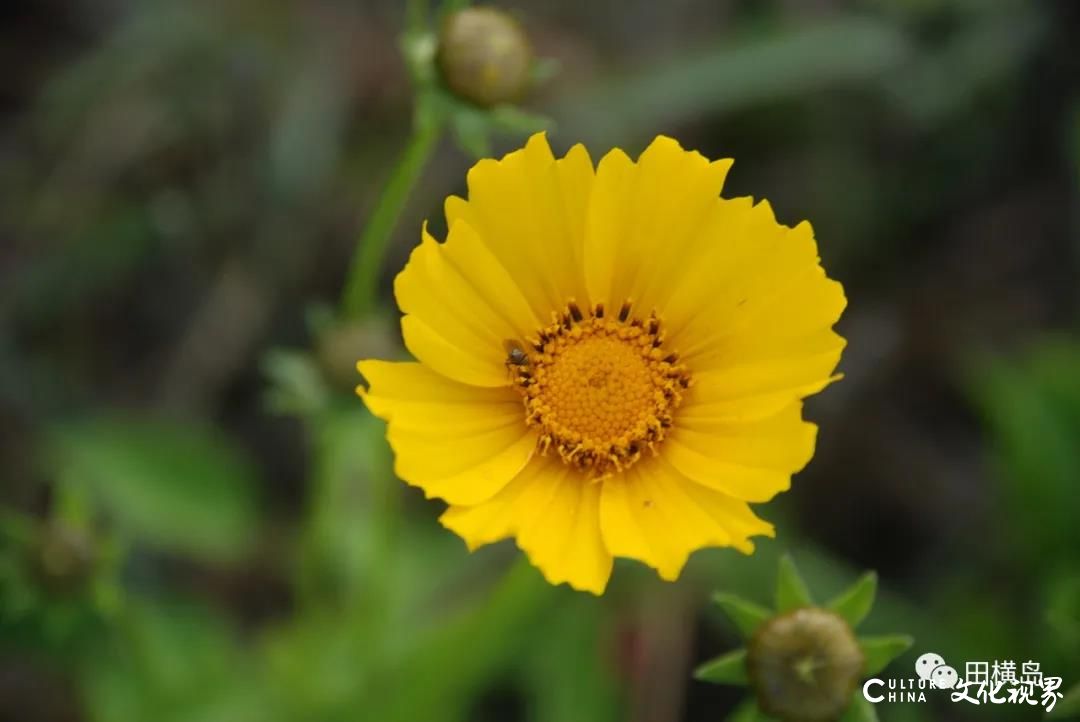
{"x": 416, "y": 12}
{"x": 361, "y": 284}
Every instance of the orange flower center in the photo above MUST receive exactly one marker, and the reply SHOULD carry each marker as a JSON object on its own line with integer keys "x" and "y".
{"x": 600, "y": 390}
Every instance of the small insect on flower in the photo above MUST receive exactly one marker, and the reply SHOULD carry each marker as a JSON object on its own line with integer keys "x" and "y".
{"x": 611, "y": 359}
{"x": 515, "y": 355}
{"x": 518, "y": 365}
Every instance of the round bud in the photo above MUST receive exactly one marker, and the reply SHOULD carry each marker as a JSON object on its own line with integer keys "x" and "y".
{"x": 484, "y": 56}
{"x": 804, "y": 665}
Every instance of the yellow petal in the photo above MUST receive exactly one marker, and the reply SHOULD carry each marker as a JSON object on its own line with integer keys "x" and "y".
{"x": 575, "y": 178}
{"x": 740, "y": 482}
{"x": 758, "y": 334}
{"x": 654, "y": 514}
{"x": 796, "y": 319}
{"x": 757, "y": 293}
{"x": 606, "y": 239}
{"x": 475, "y": 366}
{"x": 644, "y": 221}
{"x": 529, "y": 209}
{"x": 782, "y": 441}
{"x": 456, "y": 442}
{"x": 461, "y": 305}
{"x": 410, "y": 392}
{"x": 463, "y": 470}
{"x": 555, "y": 515}
{"x": 752, "y": 461}
{"x": 755, "y": 387}
{"x": 726, "y": 250}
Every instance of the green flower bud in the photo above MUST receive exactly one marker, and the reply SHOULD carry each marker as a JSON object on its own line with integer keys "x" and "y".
{"x": 484, "y": 56}
{"x": 804, "y": 665}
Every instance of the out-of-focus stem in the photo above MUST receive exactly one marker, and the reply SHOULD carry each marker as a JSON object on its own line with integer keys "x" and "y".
{"x": 361, "y": 284}
{"x": 416, "y": 12}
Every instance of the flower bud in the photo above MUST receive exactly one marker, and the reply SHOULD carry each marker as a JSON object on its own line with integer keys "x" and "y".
{"x": 484, "y": 56}
{"x": 804, "y": 665}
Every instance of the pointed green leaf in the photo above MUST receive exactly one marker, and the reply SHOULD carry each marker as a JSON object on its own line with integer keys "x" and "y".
{"x": 748, "y": 712}
{"x": 860, "y": 710}
{"x": 791, "y": 590}
{"x": 471, "y": 133}
{"x": 879, "y": 651}
{"x": 1068, "y": 706}
{"x": 745, "y": 615}
{"x": 726, "y": 669}
{"x": 857, "y": 600}
{"x": 297, "y": 385}
{"x": 515, "y": 120}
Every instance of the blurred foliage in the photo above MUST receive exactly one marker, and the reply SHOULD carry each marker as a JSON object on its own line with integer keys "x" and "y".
{"x": 1033, "y": 409}
{"x": 199, "y": 521}
{"x": 174, "y": 486}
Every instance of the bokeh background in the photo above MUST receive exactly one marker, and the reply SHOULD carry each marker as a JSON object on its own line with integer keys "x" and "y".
{"x": 198, "y": 521}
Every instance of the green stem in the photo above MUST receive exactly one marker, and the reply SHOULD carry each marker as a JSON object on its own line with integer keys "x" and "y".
{"x": 416, "y": 12}
{"x": 361, "y": 284}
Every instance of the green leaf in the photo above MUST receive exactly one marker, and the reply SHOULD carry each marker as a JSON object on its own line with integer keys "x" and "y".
{"x": 176, "y": 661}
{"x": 1067, "y": 706}
{"x": 471, "y": 133}
{"x": 791, "y": 590}
{"x": 515, "y": 120}
{"x": 352, "y": 513}
{"x": 1062, "y": 592}
{"x": 723, "y": 78}
{"x": 567, "y": 676}
{"x": 726, "y": 669}
{"x": 986, "y": 53}
{"x": 492, "y": 632}
{"x": 746, "y": 615}
{"x": 860, "y": 710}
{"x": 857, "y": 600}
{"x": 179, "y": 487}
{"x": 297, "y": 385}
{"x": 880, "y": 651}
{"x": 1033, "y": 412}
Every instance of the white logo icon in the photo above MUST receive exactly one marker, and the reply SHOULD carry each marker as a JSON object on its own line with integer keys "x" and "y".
{"x": 931, "y": 668}
{"x": 926, "y": 664}
{"x": 1002, "y": 682}
{"x": 944, "y": 677}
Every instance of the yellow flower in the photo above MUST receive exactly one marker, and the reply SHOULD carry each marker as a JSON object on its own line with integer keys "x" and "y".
{"x": 611, "y": 362}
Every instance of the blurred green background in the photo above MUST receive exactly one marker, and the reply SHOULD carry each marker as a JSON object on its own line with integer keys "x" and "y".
{"x": 198, "y": 521}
